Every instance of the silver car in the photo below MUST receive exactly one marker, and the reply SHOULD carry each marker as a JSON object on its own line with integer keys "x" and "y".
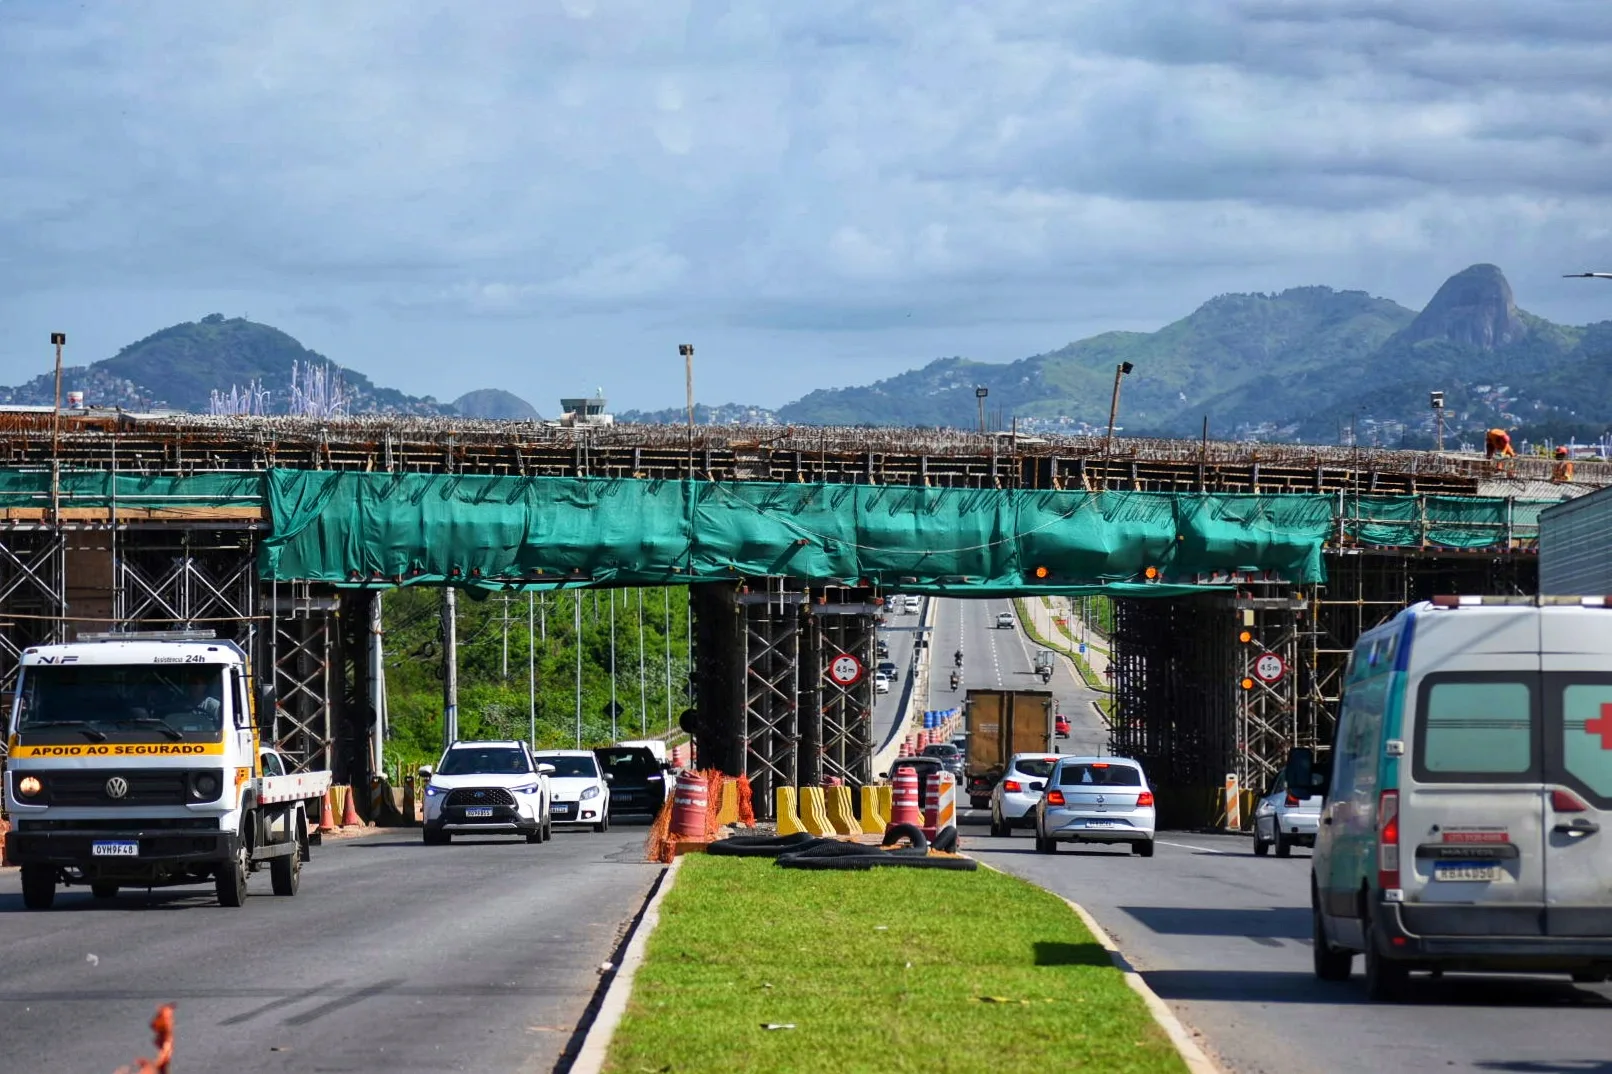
{"x": 1014, "y": 798}
{"x": 1285, "y": 817}
{"x": 1096, "y": 800}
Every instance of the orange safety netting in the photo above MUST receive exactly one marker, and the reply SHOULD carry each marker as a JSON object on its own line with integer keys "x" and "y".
{"x": 162, "y": 1028}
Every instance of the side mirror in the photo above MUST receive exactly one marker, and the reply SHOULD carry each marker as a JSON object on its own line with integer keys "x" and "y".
{"x": 426, "y": 771}
{"x": 265, "y": 697}
{"x": 1038, "y": 786}
{"x": 609, "y": 778}
{"x": 545, "y": 770}
{"x": 884, "y": 775}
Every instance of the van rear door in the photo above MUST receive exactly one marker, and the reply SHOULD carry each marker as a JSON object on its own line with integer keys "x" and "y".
{"x": 1577, "y": 645}
{"x": 1471, "y": 815}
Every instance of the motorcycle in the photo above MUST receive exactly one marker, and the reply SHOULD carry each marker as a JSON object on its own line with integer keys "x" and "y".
{"x": 956, "y": 679}
{"x": 957, "y": 659}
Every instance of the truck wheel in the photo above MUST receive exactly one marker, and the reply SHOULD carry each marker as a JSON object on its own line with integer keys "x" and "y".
{"x": 285, "y": 874}
{"x": 103, "y": 889}
{"x": 229, "y": 880}
{"x": 38, "y": 886}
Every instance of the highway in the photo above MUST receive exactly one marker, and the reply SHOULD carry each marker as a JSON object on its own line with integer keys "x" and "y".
{"x": 480, "y": 956}
{"x": 898, "y": 631}
{"x": 1224, "y": 937}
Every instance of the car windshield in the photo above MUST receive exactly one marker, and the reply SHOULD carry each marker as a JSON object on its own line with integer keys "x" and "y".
{"x": 943, "y": 750}
{"x": 180, "y": 701}
{"x": 630, "y": 764}
{"x": 1039, "y": 767}
{"x": 568, "y": 766}
{"x": 1101, "y": 775}
{"x": 484, "y": 760}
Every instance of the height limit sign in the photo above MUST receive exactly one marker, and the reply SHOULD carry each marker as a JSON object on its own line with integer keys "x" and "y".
{"x": 845, "y": 670}
{"x": 1269, "y": 668}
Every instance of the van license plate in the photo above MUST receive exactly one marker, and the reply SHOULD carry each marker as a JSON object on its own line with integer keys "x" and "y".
{"x": 479, "y": 811}
{"x": 1466, "y": 870}
{"x": 115, "y": 850}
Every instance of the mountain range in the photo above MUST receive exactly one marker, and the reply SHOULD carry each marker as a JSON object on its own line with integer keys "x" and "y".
{"x": 1308, "y": 363}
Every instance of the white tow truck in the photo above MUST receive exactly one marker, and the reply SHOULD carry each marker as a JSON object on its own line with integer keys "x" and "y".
{"x": 133, "y": 760}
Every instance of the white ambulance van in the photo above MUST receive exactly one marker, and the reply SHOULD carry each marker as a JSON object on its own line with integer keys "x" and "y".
{"x": 1466, "y": 813}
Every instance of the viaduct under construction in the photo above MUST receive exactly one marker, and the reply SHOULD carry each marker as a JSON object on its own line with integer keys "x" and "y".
{"x": 280, "y": 532}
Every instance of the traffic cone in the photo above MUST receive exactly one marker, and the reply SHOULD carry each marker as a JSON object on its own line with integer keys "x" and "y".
{"x": 349, "y": 813}
{"x": 327, "y": 822}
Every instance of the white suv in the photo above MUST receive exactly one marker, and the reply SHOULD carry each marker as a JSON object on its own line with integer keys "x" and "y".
{"x": 581, "y": 793}
{"x": 488, "y": 787}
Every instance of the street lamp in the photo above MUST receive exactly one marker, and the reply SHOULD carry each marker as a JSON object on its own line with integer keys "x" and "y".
{"x": 1436, "y": 401}
{"x": 979, "y": 395}
{"x": 1121, "y": 370}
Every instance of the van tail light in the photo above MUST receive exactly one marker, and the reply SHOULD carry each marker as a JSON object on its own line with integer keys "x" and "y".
{"x": 1388, "y": 840}
{"x": 1055, "y": 798}
{"x": 1144, "y": 799}
{"x": 1293, "y": 799}
{"x": 1563, "y": 801}
{"x": 1012, "y": 786}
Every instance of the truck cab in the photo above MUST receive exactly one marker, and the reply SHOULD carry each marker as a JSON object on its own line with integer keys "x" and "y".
{"x": 134, "y": 760}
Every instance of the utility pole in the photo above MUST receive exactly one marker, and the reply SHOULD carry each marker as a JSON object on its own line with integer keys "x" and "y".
{"x": 58, "y": 340}
{"x": 543, "y": 618}
{"x": 614, "y": 736}
{"x": 666, "y": 603}
{"x": 576, "y": 604}
{"x": 1121, "y": 370}
{"x": 687, "y": 351}
{"x": 1436, "y": 401}
{"x": 505, "y": 666}
{"x": 643, "y": 682}
{"x": 531, "y": 663}
{"x": 450, "y": 666}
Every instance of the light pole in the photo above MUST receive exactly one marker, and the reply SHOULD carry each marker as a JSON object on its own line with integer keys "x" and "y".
{"x": 1436, "y": 401}
{"x": 687, "y": 351}
{"x": 979, "y": 395}
{"x": 1121, "y": 370}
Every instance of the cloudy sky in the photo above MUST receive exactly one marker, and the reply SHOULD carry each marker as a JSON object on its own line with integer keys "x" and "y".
{"x": 549, "y": 195}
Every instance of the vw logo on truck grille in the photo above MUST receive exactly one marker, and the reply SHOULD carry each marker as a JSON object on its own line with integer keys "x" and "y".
{"x": 117, "y": 787}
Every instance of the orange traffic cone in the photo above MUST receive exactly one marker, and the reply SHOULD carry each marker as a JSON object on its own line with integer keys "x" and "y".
{"x": 349, "y": 812}
{"x": 327, "y": 821}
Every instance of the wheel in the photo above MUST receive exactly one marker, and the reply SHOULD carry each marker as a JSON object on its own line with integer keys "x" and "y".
{"x": 535, "y": 836}
{"x": 38, "y": 886}
{"x": 1143, "y": 850}
{"x": 548, "y": 828}
{"x": 1385, "y": 979}
{"x": 999, "y": 828}
{"x": 229, "y": 880}
{"x": 1261, "y": 848}
{"x": 1330, "y": 964}
{"x": 104, "y": 889}
{"x": 285, "y": 874}
{"x": 1043, "y": 845}
{"x": 1284, "y": 846}
{"x": 604, "y": 822}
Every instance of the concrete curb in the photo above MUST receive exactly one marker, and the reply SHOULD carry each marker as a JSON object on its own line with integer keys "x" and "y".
{"x": 1197, "y": 1062}
{"x": 590, "y": 1058}
{"x": 1191, "y": 1054}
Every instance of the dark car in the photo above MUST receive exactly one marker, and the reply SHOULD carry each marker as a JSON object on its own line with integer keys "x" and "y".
{"x": 950, "y": 757}
{"x": 637, "y": 780}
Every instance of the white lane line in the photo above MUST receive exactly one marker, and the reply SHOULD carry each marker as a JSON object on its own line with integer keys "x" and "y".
{"x": 1190, "y": 846}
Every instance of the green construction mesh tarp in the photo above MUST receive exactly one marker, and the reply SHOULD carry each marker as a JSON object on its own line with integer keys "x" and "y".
{"x": 483, "y": 530}
{"x": 1465, "y": 522}
{"x": 95, "y": 488}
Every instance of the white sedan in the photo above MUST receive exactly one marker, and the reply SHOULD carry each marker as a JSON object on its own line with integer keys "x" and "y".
{"x": 1014, "y": 798}
{"x": 581, "y": 791}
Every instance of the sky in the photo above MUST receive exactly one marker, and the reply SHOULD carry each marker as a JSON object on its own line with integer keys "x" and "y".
{"x": 548, "y": 196}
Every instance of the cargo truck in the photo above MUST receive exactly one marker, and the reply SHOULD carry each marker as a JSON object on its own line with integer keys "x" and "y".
{"x": 1001, "y": 723}
{"x": 134, "y": 761}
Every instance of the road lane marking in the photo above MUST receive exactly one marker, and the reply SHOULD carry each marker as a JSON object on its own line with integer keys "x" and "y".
{"x": 1191, "y": 846}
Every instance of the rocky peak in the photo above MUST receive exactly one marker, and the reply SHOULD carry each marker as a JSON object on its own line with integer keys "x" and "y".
{"x": 1474, "y": 307}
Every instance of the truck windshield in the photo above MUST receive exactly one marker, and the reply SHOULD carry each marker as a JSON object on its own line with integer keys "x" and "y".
{"x": 121, "y": 701}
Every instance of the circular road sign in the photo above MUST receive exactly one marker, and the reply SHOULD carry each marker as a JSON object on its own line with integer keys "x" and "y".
{"x": 1268, "y": 668}
{"x": 845, "y": 670}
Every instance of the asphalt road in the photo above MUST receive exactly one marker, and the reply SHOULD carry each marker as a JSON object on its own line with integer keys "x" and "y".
{"x": 1224, "y": 937}
{"x": 479, "y": 956}
{"x": 899, "y": 632}
{"x": 1000, "y": 659}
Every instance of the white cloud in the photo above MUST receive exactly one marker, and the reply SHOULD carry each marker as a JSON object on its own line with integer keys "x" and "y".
{"x": 868, "y": 182}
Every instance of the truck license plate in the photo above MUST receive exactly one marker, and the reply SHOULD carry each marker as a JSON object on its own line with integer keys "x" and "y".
{"x": 479, "y": 811}
{"x": 115, "y": 850}
{"x": 1466, "y": 870}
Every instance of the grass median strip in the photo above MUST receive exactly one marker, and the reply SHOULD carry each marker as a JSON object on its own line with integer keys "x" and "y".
{"x": 885, "y": 970}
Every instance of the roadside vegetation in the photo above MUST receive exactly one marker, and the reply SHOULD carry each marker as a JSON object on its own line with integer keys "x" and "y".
{"x": 494, "y": 697}
{"x": 753, "y": 967}
{"x": 1087, "y": 675}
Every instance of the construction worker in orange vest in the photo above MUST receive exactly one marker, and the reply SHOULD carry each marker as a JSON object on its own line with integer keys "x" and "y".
{"x": 1563, "y": 470}
{"x": 1498, "y": 442}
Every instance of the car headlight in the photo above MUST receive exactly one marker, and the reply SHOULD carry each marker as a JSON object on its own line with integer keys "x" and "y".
{"x": 204, "y": 786}
{"x": 591, "y": 792}
{"x": 28, "y": 786}
{"x": 432, "y": 790}
{"x": 530, "y": 788}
